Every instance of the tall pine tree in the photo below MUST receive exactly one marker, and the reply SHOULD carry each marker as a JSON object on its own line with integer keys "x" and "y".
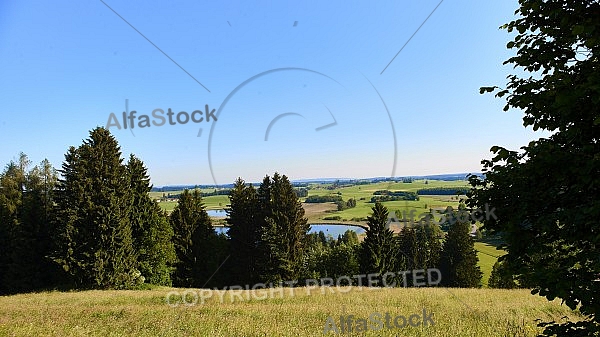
{"x": 244, "y": 231}
{"x": 458, "y": 261}
{"x": 283, "y": 230}
{"x": 26, "y": 199}
{"x": 152, "y": 233}
{"x": 12, "y": 186}
{"x": 407, "y": 257}
{"x": 288, "y": 218}
{"x": 194, "y": 238}
{"x": 378, "y": 250}
{"x": 429, "y": 247}
{"x": 93, "y": 231}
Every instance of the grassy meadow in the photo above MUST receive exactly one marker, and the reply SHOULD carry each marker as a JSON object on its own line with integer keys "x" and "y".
{"x": 455, "y": 312}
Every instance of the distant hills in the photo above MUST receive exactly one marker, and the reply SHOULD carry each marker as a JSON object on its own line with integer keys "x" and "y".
{"x": 305, "y": 182}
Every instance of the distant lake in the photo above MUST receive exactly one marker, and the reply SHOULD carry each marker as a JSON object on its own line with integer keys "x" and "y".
{"x": 334, "y": 230}
{"x": 219, "y": 213}
{"x": 328, "y": 229}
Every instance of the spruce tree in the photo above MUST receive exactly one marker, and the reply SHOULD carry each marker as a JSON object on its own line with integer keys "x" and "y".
{"x": 152, "y": 233}
{"x": 25, "y": 208}
{"x": 35, "y": 235}
{"x": 93, "y": 232}
{"x": 292, "y": 226}
{"x": 267, "y": 252}
{"x": 378, "y": 250}
{"x": 428, "y": 245}
{"x": 283, "y": 230}
{"x": 12, "y": 186}
{"x": 243, "y": 219}
{"x": 407, "y": 255}
{"x": 458, "y": 261}
{"x": 193, "y": 230}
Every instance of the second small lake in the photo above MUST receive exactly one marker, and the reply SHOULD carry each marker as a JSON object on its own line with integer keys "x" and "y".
{"x": 334, "y": 230}
{"x": 218, "y": 213}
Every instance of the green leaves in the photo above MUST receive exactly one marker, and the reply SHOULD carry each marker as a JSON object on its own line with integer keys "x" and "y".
{"x": 546, "y": 195}
{"x": 483, "y": 90}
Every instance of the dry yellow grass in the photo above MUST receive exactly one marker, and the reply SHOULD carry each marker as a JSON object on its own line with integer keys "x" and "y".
{"x": 456, "y": 312}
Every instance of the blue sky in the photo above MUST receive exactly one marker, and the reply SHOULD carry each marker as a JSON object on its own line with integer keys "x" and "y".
{"x": 66, "y": 66}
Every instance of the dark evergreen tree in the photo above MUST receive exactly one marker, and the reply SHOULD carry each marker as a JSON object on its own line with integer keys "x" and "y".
{"x": 458, "y": 261}
{"x": 12, "y": 235}
{"x": 152, "y": 233}
{"x": 283, "y": 230}
{"x": 428, "y": 245}
{"x": 26, "y": 199}
{"x": 379, "y": 248}
{"x": 93, "y": 232}
{"x": 211, "y": 251}
{"x": 407, "y": 254}
{"x": 323, "y": 238}
{"x": 288, "y": 219}
{"x": 243, "y": 219}
{"x": 194, "y": 237}
{"x": 265, "y": 255}
{"x": 36, "y": 243}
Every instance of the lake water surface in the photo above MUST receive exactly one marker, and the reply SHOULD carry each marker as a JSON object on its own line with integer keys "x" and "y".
{"x": 218, "y": 213}
{"x": 328, "y": 229}
{"x": 334, "y": 230}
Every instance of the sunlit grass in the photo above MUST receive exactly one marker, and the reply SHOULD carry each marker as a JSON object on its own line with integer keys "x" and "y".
{"x": 456, "y": 312}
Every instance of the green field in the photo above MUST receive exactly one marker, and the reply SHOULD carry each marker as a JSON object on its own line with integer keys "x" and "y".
{"x": 212, "y": 202}
{"x": 363, "y": 207}
{"x": 455, "y": 312}
{"x": 365, "y": 192}
{"x": 488, "y": 255}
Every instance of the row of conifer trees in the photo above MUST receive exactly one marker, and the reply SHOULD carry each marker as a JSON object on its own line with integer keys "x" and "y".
{"x": 92, "y": 224}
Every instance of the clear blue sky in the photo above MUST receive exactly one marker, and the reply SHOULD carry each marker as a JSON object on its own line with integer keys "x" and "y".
{"x": 66, "y": 66}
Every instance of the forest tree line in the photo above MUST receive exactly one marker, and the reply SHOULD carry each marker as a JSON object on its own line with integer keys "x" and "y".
{"x": 93, "y": 225}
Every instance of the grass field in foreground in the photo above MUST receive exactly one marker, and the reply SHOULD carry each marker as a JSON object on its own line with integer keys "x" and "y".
{"x": 456, "y": 312}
